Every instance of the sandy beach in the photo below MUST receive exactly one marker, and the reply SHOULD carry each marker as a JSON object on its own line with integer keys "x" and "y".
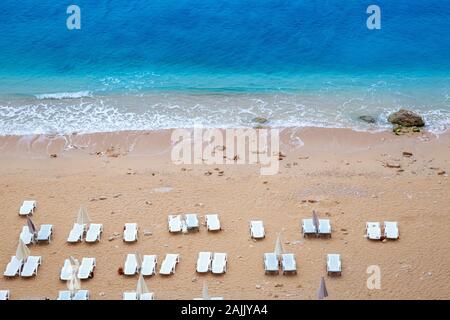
{"x": 348, "y": 177}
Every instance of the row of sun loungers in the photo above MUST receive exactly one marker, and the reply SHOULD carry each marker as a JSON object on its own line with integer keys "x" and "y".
{"x": 214, "y": 262}
{"x": 44, "y": 234}
{"x": 27, "y": 268}
{"x": 257, "y": 230}
{"x": 93, "y": 234}
{"x": 79, "y": 295}
{"x": 373, "y": 230}
{"x": 85, "y": 270}
{"x": 188, "y": 222}
{"x": 308, "y": 228}
{"x": 272, "y": 263}
{"x": 146, "y": 268}
{"x": 85, "y": 295}
{"x": 287, "y": 262}
{"x": 135, "y": 296}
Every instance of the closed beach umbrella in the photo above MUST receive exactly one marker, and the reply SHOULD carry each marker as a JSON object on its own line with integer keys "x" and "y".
{"x": 139, "y": 260}
{"x": 31, "y": 226}
{"x": 73, "y": 284}
{"x": 22, "y": 252}
{"x": 205, "y": 293}
{"x": 278, "y": 247}
{"x": 74, "y": 263}
{"x": 83, "y": 216}
{"x": 141, "y": 286}
{"x": 322, "y": 293}
{"x": 315, "y": 220}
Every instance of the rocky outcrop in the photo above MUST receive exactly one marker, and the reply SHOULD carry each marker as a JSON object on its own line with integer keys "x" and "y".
{"x": 406, "y": 121}
{"x": 406, "y": 118}
{"x": 260, "y": 120}
{"x": 368, "y": 119}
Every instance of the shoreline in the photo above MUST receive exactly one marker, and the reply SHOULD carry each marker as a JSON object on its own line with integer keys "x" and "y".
{"x": 342, "y": 174}
{"x": 55, "y": 143}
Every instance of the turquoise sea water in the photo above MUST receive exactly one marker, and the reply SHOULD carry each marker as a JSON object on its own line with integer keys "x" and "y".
{"x": 164, "y": 64}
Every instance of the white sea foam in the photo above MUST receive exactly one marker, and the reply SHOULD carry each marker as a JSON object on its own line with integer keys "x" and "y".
{"x": 166, "y": 111}
{"x": 64, "y": 95}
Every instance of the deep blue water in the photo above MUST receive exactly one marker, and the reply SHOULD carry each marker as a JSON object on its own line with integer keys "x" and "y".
{"x": 228, "y": 46}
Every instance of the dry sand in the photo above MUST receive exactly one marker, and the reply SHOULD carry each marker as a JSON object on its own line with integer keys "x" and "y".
{"x": 338, "y": 172}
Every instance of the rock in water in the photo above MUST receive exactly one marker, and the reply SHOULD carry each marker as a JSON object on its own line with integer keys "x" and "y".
{"x": 368, "y": 119}
{"x": 406, "y": 118}
{"x": 260, "y": 120}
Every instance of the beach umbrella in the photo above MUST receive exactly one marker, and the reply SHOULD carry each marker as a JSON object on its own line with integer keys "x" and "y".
{"x": 315, "y": 220}
{"x": 322, "y": 293}
{"x": 31, "y": 226}
{"x": 83, "y": 216}
{"x": 184, "y": 228}
{"x": 139, "y": 259}
{"x": 74, "y": 263}
{"x": 141, "y": 286}
{"x": 278, "y": 247}
{"x": 73, "y": 284}
{"x": 22, "y": 252}
{"x": 205, "y": 294}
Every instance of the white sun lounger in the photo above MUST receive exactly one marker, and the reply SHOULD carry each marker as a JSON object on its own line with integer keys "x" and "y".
{"x": 192, "y": 221}
{"x": 391, "y": 230}
{"x": 130, "y": 232}
{"x": 175, "y": 224}
{"x": 204, "y": 262}
{"x": 64, "y": 295}
{"x": 324, "y": 227}
{"x": 271, "y": 263}
{"x": 219, "y": 263}
{"x": 66, "y": 271}
{"x": 134, "y": 296}
{"x": 373, "y": 230}
{"x": 169, "y": 264}
{"x": 129, "y": 296}
{"x": 27, "y": 208}
{"x": 147, "y": 296}
{"x": 288, "y": 263}
{"x": 334, "y": 264}
{"x": 212, "y": 222}
{"x": 131, "y": 265}
{"x": 149, "y": 263}
{"x": 257, "y": 229}
{"x": 13, "y": 268}
{"x": 4, "y": 294}
{"x": 308, "y": 227}
{"x": 86, "y": 269}
{"x": 31, "y": 266}
{"x": 77, "y": 232}
{"x": 94, "y": 233}
{"x": 81, "y": 295}
{"x": 26, "y": 236}
{"x": 45, "y": 233}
